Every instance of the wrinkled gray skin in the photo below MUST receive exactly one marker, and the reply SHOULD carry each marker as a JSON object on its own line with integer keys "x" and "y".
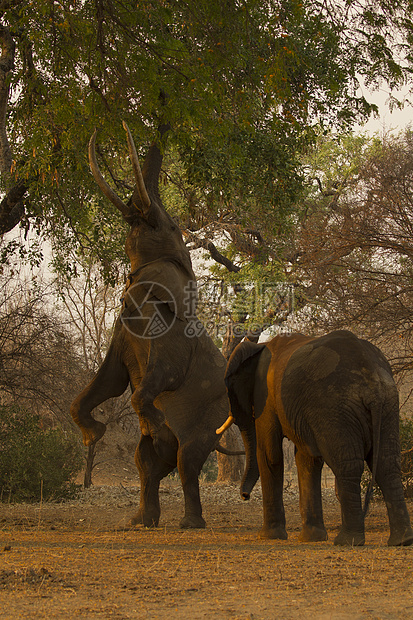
{"x": 336, "y": 399}
{"x": 177, "y": 378}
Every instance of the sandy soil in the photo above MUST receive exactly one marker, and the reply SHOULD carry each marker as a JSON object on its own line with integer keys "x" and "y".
{"x": 71, "y": 560}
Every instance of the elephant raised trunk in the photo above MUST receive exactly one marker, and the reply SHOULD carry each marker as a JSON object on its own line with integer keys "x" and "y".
{"x": 140, "y": 183}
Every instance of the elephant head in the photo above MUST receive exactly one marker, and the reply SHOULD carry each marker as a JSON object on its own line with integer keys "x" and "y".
{"x": 153, "y": 234}
{"x": 240, "y": 378}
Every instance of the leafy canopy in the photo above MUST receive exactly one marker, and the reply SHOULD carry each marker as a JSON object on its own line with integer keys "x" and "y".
{"x": 243, "y": 84}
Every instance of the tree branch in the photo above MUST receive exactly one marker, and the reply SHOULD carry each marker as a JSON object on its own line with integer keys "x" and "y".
{"x": 11, "y": 207}
{"x": 212, "y": 249}
{"x": 6, "y": 66}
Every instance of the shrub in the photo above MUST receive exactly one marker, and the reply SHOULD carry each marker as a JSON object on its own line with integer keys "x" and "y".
{"x": 35, "y": 463}
{"x": 210, "y": 468}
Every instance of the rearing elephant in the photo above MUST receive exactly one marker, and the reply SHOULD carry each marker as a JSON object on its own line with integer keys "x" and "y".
{"x": 334, "y": 396}
{"x": 159, "y": 348}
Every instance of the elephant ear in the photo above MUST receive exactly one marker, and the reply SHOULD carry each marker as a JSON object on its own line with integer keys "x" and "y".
{"x": 240, "y": 381}
{"x": 168, "y": 283}
{"x": 243, "y": 352}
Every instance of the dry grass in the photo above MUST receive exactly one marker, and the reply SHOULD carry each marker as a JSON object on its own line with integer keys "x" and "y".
{"x": 71, "y": 560}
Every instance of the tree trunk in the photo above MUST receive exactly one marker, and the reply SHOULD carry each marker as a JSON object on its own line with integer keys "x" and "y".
{"x": 231, "y": 468}
{"x": 11, "y": 207}
{"x": 91, "y": 453}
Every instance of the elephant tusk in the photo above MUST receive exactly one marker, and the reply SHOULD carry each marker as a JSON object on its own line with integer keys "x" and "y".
{"x": 228, "y": 422}
{"x": 140, "y": 183}
{"x": 106, "y": 189}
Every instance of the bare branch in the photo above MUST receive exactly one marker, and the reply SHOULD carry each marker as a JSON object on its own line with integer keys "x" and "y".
{"x": 216, "y": 255}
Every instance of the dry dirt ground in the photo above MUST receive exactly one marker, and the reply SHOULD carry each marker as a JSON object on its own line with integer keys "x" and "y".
{"x": 71, "y": 560}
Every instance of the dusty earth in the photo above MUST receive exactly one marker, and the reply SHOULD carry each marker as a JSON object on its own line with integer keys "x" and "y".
{"x": 71, "y": 560}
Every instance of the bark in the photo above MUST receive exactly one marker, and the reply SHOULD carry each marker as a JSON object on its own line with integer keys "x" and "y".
{"x": 87, "y": 481}
{"x": 231, "y": 468}
{"x": 198, "y": 242}
{"x": 11, "y": 207}
{"x": 6, "y": 66}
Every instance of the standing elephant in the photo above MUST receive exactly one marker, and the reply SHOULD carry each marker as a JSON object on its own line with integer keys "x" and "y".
{"x": 334, "y": 396}
{"x": 160, "y": 349}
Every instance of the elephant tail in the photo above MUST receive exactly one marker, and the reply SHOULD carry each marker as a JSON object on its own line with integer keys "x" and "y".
{"x": 376, "y": 409}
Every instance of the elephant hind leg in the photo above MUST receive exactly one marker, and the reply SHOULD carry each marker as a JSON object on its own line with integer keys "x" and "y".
{"x": 191, "y": 457}
{"x": 348, "y": 477}
{"x": 388, "y": 478}
{"x": 152, "y": 468}
{"x": 401, "y": 533}
{"x": 311, "y": 509}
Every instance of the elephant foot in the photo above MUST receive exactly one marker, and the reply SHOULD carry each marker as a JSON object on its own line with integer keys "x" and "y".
{"x": 401, "y": 538}
{"x": 193, "y": 522}
{"x": 141, "y": 518}
{"x": 93, "y": 432}
{"x": 153, "y": 424}
{"x": 273, "y": 532}
{"x": 311, "y": 533}
{"x": 351, "y": 539}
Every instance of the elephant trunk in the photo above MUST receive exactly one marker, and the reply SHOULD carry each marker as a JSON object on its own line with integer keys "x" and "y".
{"x": 251, "y": 473}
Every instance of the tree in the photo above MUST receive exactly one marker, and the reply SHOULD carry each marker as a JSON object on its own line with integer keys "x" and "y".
{"x": 37, "y": 351}
{"x": 36, "y": 462}
{"x": 92, "y": 308}
{"x": 241, "y": 85}
{"x": 353, "y": 251}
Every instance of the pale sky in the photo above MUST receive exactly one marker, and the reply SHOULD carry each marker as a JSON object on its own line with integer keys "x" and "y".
{"x": 396, "y": 120}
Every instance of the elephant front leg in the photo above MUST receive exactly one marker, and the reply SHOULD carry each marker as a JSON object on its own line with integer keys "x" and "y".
{"x": 271, "y": 467}
{"x": 311, "y": 509}
{"x": 151, "y": 419}
{"x": 111, "y": 380}
{"x": 151, "y": 469}
{"x": 189, "y": 467}
{"x": 160, "y": 376}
